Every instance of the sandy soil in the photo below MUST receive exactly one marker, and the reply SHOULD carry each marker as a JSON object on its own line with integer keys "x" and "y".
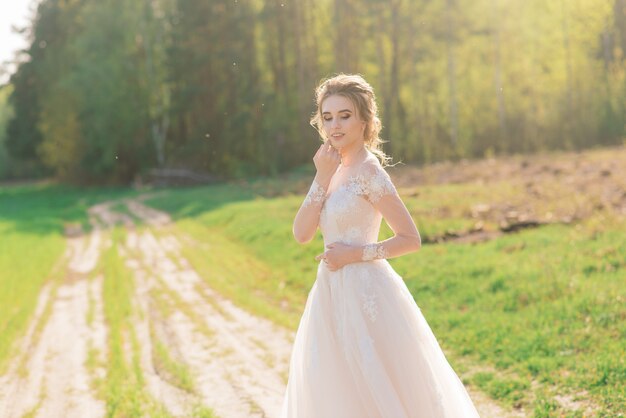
{"x": 235, "y": 369}
{"x": 49, "y": 376}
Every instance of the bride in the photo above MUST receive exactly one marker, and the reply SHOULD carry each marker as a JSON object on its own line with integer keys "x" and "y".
{"x": 362, "y": 348}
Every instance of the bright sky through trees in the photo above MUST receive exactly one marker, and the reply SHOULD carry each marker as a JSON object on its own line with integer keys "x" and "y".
{"x": 12, "y": 13}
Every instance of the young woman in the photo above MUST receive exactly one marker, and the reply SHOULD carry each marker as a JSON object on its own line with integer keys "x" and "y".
{"x": 363, "y": 348}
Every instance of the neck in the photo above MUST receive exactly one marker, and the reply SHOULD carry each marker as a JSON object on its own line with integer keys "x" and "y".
{"x": 352, "y": 154}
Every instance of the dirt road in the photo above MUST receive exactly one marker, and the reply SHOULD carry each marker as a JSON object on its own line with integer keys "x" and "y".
{"x": 234, "y": 368}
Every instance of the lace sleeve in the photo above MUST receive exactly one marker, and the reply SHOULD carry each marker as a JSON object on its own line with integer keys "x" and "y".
{"x": 316, "y": 194}
{"x": 378, "y": 183}
{"x": 380, "y": 191}
{"x": 307, "y": 219}
{"x": 374, "y": 251}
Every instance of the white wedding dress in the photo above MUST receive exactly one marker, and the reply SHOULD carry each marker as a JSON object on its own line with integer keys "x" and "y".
{"x": 363, "y": 348}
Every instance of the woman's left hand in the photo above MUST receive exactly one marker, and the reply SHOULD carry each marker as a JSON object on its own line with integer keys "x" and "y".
{"x": 338, "y": 255}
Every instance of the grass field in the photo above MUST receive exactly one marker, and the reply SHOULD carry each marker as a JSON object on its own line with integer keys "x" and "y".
{"x": 531, "y": 315}
{"x": 536, "y": 319}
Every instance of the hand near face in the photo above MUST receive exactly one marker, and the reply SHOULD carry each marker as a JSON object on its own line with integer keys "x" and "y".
{"x": 327, "y": 160}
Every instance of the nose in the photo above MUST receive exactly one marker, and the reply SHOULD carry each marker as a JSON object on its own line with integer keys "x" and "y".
{"x": 336, "y": 123}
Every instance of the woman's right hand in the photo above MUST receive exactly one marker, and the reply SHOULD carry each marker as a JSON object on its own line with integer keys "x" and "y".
{"x": 326, "y": 160}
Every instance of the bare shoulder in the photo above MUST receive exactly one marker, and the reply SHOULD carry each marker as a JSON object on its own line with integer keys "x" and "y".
{"x": 371, "y": 167}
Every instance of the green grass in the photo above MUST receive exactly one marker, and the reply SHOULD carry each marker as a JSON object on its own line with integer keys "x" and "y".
{"x": 124, "y": 386}
{"x": 179, "y": 374}
{"x": 525, "y": 317}
{"x": 32, "y": 220}
{"x": 240, "y": 275}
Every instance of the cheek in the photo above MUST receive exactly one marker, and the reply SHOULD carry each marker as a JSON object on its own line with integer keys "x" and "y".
{"x": 357, "y": 127}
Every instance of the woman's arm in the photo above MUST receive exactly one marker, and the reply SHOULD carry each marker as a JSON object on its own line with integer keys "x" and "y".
{"x": 307, "y": 219}
{"x": 383, "y": 195}
{"x": 308, "y": 216}
{"x": 406, "y": 237}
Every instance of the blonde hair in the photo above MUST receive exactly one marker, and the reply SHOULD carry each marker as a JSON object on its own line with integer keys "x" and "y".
{"x": 361, "y": 94}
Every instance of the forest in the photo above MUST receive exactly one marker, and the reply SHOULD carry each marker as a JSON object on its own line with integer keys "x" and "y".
{"x": 109, "y": 90}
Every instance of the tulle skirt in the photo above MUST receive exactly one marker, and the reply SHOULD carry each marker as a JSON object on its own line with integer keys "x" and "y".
{"x": 363, "y": 349}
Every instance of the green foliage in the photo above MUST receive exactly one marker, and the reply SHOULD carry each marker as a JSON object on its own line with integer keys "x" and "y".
{"x": 111, "y": 90}
{"x": 113, "y": 102}
{"x": 6, "y": 113}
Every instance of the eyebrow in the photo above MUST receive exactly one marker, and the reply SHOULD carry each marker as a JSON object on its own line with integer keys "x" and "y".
{"x": 344, "y": 110}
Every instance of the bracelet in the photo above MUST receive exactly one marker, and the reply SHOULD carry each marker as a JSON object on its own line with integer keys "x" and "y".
{"x": 373, "y": 252}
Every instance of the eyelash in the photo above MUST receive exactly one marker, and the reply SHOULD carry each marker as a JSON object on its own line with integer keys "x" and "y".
{"x": 343, "y": 117}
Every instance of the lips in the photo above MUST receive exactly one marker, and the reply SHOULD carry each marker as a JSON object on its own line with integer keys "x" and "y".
{"x": 337, "y": 136}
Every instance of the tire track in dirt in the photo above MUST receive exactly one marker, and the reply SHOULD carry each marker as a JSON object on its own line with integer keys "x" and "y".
{"x": 238, "y": 363}
{"x": 238, "y": 372}
{"x": 173, "y": 398}
{"x": 239, "y": 366}
{"x": 49, "y": 378}
{"x": 159, "y": 386}
{"x": 65, "y": 350}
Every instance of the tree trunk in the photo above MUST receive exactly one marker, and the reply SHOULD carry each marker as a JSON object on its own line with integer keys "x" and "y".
{"x": 569, "y": 88}
{"x": 346, "y": 57}
{"x": 159, "y": 118}
{"x": 619, "y": 16}
{"x": 497, "y": 41}
{"x": 452, "y": 99}
{"x": 395, "y": 112}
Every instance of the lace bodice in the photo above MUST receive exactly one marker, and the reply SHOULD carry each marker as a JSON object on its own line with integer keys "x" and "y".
{"x": 350, "y": 210}
{"x": 348, "y": 214}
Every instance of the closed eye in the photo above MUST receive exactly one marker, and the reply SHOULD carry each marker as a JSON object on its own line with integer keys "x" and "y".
{"x": 343, "y": 117}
